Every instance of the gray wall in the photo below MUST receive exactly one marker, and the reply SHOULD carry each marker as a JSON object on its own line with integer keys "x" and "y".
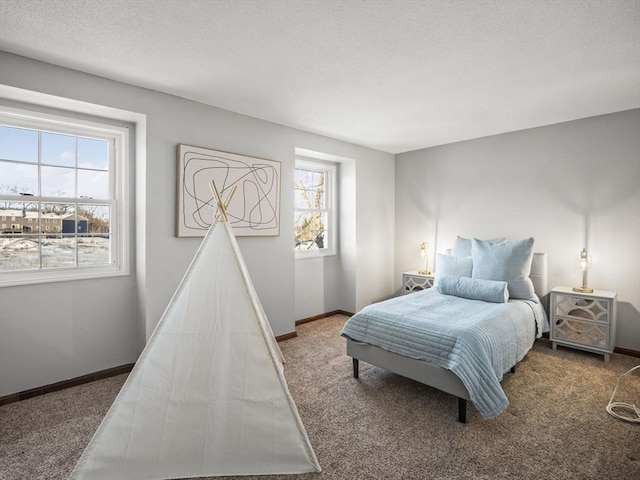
{"x": 569, "y": 185}
{"x": 113, "y": 317}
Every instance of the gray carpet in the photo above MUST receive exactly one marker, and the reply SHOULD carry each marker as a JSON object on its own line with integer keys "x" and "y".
{"x": 383, "y": 426}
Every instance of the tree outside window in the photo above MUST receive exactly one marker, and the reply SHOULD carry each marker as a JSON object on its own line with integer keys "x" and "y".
{"x": 314, "y": 217}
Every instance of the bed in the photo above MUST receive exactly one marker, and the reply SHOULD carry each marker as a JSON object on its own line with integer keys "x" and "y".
{"x": 462, "y": 346}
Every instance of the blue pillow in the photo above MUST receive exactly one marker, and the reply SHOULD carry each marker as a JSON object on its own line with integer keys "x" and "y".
{"x": 507, "y": 262}
{"x": 462, "y": 246}
{"x": 474, "y": 289}
{"x": 451, "y": 265}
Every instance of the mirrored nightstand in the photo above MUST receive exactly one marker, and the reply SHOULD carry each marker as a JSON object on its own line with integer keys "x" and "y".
{"x": 584, "y": 320}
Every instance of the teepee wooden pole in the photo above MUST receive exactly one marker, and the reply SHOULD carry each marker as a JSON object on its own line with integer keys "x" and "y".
{"x": 221, "y": 209}
{"x": 229, "y": 197}
{"x": 222, "y": 205}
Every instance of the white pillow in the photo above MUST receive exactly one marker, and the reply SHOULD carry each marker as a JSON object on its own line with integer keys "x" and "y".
{"x": 450, "y": 265}
{"x": 508, "y": 262}
{"x": 462, "y": 246}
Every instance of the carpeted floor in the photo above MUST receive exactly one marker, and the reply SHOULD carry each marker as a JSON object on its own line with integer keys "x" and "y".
{"x": 383, "y": 426}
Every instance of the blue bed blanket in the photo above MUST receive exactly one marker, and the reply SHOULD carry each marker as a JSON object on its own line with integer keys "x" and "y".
{"x": 478, "y": 341}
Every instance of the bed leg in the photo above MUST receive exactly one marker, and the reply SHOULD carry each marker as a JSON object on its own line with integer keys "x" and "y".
{"x": 356, "y": 369}
{"x": 462, "y": 410}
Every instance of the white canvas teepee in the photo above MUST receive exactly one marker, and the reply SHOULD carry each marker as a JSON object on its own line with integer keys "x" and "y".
{"x": 207, "y": 397}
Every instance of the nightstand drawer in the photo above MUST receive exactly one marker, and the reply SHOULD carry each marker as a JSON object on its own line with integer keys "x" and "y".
{"x": 581, "y": 332}
{"x": 415, "y": 281}
{"x": 592, "y": 309}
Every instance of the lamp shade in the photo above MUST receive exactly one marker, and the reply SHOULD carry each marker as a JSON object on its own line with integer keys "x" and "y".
{"x": 583, "y": 262}
{"x": 423, "y": 254}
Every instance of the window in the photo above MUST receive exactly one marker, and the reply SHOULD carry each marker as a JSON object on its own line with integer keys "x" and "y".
{"x": 314, "y": 186}
{"x": 66, "y": 176}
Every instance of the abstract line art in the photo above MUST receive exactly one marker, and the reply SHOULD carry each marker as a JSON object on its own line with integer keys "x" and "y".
{"x": 254, "y": 209}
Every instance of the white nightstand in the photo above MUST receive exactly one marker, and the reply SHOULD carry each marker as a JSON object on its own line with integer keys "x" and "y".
{"x": 414, "y": 281}
{"x": 584, "y": 320}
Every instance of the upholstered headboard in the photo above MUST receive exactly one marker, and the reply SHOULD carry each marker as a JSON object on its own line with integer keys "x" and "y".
{"x": 538, "y": 274}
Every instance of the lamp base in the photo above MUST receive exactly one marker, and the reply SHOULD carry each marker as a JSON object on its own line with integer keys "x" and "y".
{"x": 583, "y": 289}
{"x": 424, "y": 272}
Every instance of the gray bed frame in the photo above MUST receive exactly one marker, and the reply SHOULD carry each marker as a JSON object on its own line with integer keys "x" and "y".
{"x": 432, "y": 375}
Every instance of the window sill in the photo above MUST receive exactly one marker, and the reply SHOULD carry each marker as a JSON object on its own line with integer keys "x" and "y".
{"x": 14, "y": 279}
{"x": 314, "y": 254}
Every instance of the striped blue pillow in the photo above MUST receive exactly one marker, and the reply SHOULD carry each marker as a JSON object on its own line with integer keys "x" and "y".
{"x": 507, "y": 262}
{"x": 462, "y": 246}
{"x": 452, "y": 265}
{"x": 474, "y": 288}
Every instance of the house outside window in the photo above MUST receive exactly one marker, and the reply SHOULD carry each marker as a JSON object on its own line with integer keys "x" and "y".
{"x": 67, "y": 176}
{"x": 315, "y": 204}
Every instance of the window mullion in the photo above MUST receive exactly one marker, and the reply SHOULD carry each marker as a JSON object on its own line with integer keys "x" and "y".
{"x": 40, "y": 265}
{"x": 113, "y": 167}
{"x": 75, "y": 205}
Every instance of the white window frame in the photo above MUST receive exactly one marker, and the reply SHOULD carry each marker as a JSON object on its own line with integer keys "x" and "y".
{"x": 330, "y": 169}
{"x": 118, "y": 201}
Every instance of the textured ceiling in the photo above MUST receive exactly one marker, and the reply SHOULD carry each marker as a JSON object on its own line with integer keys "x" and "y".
{"x": 395, "y": 75}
